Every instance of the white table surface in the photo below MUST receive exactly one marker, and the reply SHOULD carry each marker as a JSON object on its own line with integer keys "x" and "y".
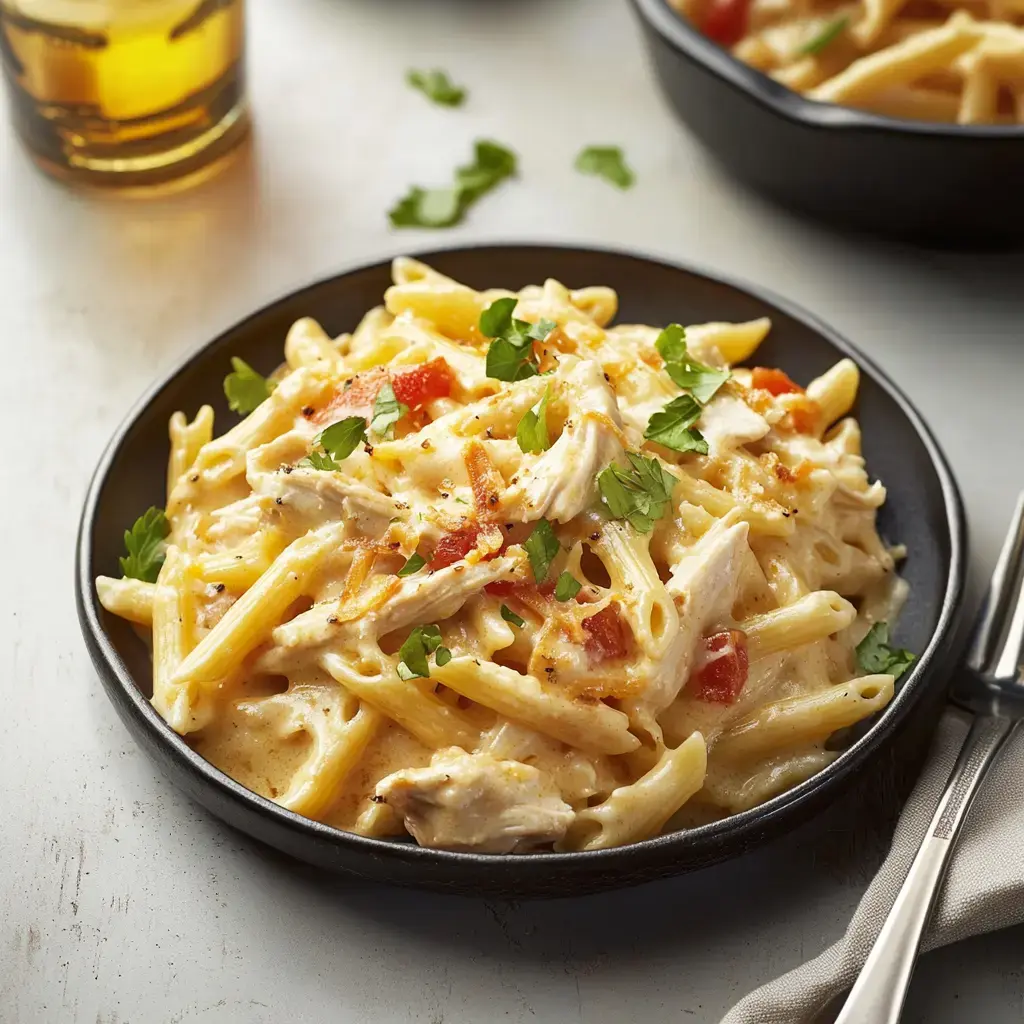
{"x": 121, "y": 901}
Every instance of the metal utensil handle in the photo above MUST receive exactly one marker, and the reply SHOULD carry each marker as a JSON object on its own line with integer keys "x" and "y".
{"x": 878, "y": 994}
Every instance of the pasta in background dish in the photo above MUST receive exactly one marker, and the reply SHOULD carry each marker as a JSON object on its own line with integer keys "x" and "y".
{"x": 493, "y": 573}
{"x": 954, "y": 61}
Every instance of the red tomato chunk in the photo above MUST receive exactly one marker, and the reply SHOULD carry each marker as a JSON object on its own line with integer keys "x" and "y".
{"x": 726, "y": 21}
{"x": 455, "y": 546}
{"x": 421, "y": 384}
{"x": 414, "y": 386}
{"x": 606, "y": 636}
{"x": 722, "y": 671}
{"x": 774, "y": 381}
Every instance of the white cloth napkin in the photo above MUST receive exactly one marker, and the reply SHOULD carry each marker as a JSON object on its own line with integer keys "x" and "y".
{"x": 983, "y": 891}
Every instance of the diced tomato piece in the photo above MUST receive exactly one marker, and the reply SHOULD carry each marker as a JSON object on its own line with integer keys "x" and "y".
{"x": 723, "y": 668}
{"x": 774, "y": 381}
{"x": 606, "y": 636}
{"x": 355, "y": 400}
{"x": 421, "y": 384}
{"x": 726, "y": 21}
{"x": 454, "y": 546}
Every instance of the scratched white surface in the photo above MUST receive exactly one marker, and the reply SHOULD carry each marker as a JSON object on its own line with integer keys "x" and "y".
{"x": 120, "y": 901}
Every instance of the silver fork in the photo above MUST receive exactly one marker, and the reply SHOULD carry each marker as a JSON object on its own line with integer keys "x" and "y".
{"x": 990, "y": 686}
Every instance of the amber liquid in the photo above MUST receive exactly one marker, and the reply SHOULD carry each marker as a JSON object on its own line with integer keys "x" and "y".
{"x": 125, "y": 92}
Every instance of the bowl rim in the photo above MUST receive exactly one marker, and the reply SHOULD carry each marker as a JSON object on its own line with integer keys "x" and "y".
{"x": 129, "y": 699}
{"x": 675, "y": 30}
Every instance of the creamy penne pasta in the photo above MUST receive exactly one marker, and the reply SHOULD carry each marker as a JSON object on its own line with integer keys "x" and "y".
{"x": 495, "y": 575}
{"x": 954, "y": 61}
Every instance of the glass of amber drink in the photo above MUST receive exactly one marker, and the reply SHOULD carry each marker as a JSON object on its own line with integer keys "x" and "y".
{"x": 125, "y": 93}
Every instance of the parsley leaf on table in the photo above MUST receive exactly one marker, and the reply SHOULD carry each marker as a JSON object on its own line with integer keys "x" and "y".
{"x": 606, "y": 162}
{"x": 436, "y": 86}
{"x": 443, "y": 207}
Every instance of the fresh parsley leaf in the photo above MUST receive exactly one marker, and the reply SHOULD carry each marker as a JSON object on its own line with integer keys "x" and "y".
{"x": 492, "y": 164}
{"x": 510, "y": 616}
{"x": 567, "y": 587}
{"x": 540, "y": 330}
{"x": 532, "y": 432}
{"x": 415, "y": 563}
{"x": 828, "y": 34}
{"x": 510, "y": 356}
{"x": 496, "y": 319}
{"x": 541, "y": 547}
{"x": 145, "y": 545}
{"x": 606, "y": 162}
{"x": 244, "y": 388}
{"x": 442, "y": 656}
{"x": 641, "y": 494}
{"x": 443, "y": 207}
{"x": 342, "y": 438}
{"x": 700, "y": 380}
{"x": 319, "y": 460}
{"x": 436, "y": 86}
{"x": 876, "y": 657}
{"x": 674, "y": 426}
{"x": 387, "y": 411}
{"x": 421, "y": 642}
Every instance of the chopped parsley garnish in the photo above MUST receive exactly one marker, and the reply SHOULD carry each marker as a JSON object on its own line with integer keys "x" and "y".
{"x": 700, "y": 380}
{"x": 419, "y": 645}
{"x": 606, "y": 162}
{"x": 145, "y": 545}
{"x": 436, "y": 86}
{"x": 510, "y": 356}
{"x": 640, "y": 495}
{"x": 567, "y": 587}
{"x": 415, "y": 563}
{"x": 244, "y": 388}
{"x": 320, "y": 460}
{"x": 674, "y": 426}
{"x": 541, "y": 547}
{"x": 510, "y": 616}
{"x": 532, "y": 432}
{"x": 339, "y": 441}
{"x": 387, "y": 411}
{"x": 443, "y": 207}
{"x": 876, "y": 657}
{"x": 828, "y": 34}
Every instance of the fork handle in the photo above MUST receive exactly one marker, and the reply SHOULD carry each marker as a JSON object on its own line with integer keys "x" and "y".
{"x": 877, "y": 995}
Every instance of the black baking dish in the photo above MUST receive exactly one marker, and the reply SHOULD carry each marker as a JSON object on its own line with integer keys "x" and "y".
{"x": 923, "y": 511}
{"x": 940, "y": 184}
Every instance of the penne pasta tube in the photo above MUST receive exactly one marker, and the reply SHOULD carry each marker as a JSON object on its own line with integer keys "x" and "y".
{"x": 798, "y": 721}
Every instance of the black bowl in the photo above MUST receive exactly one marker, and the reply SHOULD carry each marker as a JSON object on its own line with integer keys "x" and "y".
{"x": 924, "y": 511}
{"x": 939, "y": 184}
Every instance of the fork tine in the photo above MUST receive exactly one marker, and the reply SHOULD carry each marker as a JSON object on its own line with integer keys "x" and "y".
{"x": 998, "y": 641}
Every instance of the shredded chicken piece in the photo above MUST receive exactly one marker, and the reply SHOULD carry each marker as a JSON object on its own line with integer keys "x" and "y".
{"x": 477, "y": 802}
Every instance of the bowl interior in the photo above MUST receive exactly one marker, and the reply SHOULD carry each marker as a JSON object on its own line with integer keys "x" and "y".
{"x": 922, "y": 512}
